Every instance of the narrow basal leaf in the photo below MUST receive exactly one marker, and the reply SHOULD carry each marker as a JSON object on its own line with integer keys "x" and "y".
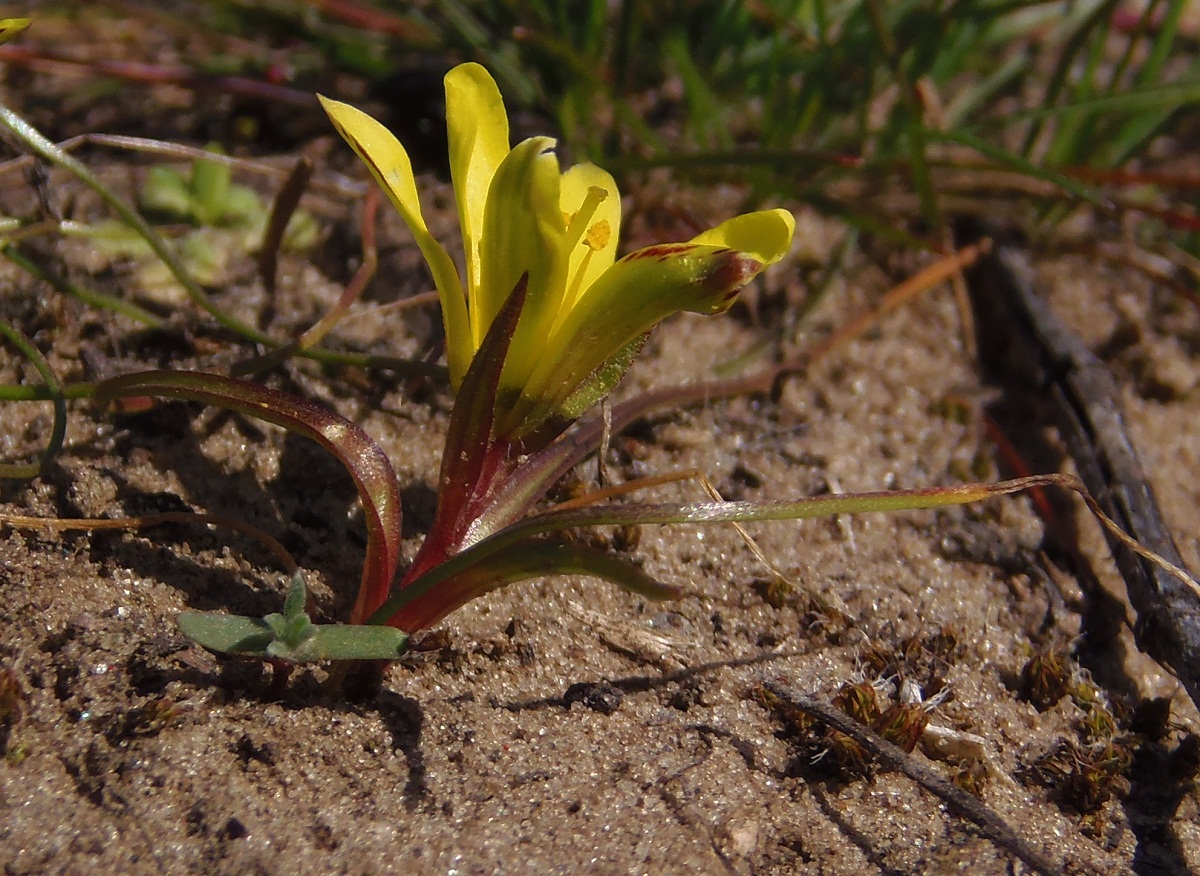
{"x": 420, "y": 606}
{"x": 469, "y": 435}
{"x": 364, "y": 459}
{"x": 479, "y": 554}
{"x": 59, "y": 430}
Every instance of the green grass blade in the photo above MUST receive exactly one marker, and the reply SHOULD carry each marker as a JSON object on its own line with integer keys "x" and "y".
{"x": 1015, "y": 162}
{"x": 39, "y": 145}
{"x": 90, "y": 297}
{"x": 1171, "y": 95}
{"x": 59, "y": 430}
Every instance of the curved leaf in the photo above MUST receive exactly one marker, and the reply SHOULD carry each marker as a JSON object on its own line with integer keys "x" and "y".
{"x": 59, "y": 430}
{"x": 364, "y": 459}
{"x": 420, "y": 607}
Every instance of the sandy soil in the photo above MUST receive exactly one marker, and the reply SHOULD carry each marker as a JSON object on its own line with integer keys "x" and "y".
{"x": 130, "y": 750}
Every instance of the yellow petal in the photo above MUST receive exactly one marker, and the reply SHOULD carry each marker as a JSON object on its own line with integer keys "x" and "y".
{"x": 523, "y": 233}
{"x": 596, "y": 248}
{"x": 631, "y": 297}
{"x": 477, "y": 128}
{"x": 390, "y": 165}
{"x": 765, "y": 235}
{"x": 10, "y": 27}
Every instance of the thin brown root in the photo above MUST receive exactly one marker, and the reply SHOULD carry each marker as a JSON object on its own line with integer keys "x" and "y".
{"x": 928, "y": 278}
{"x": 59, "y": 524}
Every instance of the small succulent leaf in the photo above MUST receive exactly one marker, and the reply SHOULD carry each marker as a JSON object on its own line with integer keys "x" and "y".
{"x": 350, "y": 642}
{"x": 206, "y": 252}
{"x": 244, "y": 209}
{"x": 477, "y": 130}
{"x": 390, "y": 165}
{"x": 165, "y": 191}
{"x": 765, "y": 235}
{"x": 10, "y": 27}
{"x": 290, "y": 632}
{"x": 366, "y": 462}
{"x": 227, "y": 633}
{"x": 296, "y": 603}
{"x": 210, "y": 187}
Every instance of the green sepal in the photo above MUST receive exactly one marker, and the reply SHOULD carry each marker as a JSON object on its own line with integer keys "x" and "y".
{"x": 602, "y": 381}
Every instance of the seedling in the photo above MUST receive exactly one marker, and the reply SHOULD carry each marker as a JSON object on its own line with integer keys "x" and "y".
{"x": 290, "y": 635}
{"x": 223, "y": 219}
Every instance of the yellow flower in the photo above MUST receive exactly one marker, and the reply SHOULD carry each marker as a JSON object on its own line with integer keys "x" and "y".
{"x": 519, "y": 215}
{"x": 10, "y": 27}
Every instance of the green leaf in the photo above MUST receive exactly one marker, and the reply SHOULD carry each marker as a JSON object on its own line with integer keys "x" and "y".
{"x": 363, "y": 458}
{"x": 243, "y": 208}
{"x": 252, "y": 637}
{"x": 290, "y": 635}
{"x": 1016, "y": 162}
{"x": 210, "y": 188}
{"x": 296, "y": 603}
{"x": 166, "y": 191}
{"x": 228, "y": 634}
{"x": 350, "y": 642}
{"x": 433, "y": 596}
{"x": 36, "y": 143}
{"x": 1174, "y": 95}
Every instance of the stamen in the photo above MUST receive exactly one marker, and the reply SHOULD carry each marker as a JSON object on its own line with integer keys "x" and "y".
{"x": 581, "y": 220}
{"x": 573, "y": 290}
{"x": 593, "y": 235}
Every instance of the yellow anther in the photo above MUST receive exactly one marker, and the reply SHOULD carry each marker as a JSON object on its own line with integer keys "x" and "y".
{"x": 598, "y": 235}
